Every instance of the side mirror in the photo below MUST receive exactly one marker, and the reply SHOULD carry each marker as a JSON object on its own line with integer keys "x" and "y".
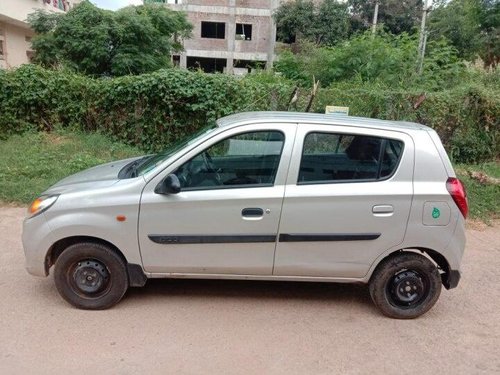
{"x": 170, "y": 185}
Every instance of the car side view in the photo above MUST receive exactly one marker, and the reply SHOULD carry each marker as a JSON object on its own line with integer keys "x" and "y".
{"x": 262, "y": 196}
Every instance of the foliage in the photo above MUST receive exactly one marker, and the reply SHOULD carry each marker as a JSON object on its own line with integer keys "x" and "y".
{"x": 397, "y": 16}
{"x": 153, "y": 110}
{"x": 30, "y": 163}
{"x": 149, "y": 110}
{"x": 472, "y": 26}
{"x": 467, "y": 118}
{"x": 323, "y": 24}
{"x": 98, "y": 42}
{"x": 383, "y": 58}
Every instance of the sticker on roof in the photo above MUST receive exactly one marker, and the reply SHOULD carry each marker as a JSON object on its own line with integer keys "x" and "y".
{"x": 336, "y": 110}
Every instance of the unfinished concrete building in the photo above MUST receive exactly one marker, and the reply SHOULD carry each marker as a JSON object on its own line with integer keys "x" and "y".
{"x": 231, "y": 36}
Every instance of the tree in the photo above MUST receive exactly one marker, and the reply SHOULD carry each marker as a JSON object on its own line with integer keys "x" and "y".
{"x": 489, "y": 39}
{"x": 99, "y": 42}
{"x": 324, "y": 24}
{"x": 398, "y": 16}
{"x": 382, "y": 60}
{"x": 472, "y": 26}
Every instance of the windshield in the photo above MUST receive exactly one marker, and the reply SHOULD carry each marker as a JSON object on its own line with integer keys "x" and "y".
{"x": 155, "y": 160}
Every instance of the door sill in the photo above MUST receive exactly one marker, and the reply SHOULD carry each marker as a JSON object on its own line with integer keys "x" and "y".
{"x": 174, "y": 275}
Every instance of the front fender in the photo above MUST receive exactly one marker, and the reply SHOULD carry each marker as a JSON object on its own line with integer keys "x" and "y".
{"x": 101, "y": 225}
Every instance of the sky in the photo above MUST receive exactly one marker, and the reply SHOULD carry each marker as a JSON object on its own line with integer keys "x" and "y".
{"x": 115, "y": 4}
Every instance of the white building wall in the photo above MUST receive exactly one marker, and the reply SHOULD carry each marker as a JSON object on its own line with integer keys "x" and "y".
{"x": 15, "y": 32}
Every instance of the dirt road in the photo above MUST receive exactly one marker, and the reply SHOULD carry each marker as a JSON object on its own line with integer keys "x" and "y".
{"x": 236, "y": 327}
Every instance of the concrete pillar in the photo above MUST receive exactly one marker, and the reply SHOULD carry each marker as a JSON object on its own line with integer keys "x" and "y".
{"x": 273, "y": 4}
{"x": 183, "y": 60}
{"x": 231, "y": 36}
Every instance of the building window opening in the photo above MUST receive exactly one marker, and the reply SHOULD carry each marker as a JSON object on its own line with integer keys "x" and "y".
{"x": 243, "y": 31}
{"x": 2, "y": 47}
{"x": 208, "y": 65}
{"x": 247, "y": 66}
{"x": 176, "y": 60}
{"x": 163, "y": 1}
{"x": 214, "y": 30}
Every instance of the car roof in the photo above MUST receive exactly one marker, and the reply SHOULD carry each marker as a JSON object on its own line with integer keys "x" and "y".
{"x": 316, "y": 118}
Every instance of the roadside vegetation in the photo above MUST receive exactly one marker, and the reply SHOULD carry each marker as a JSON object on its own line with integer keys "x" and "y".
{"x": 32, "y": 162}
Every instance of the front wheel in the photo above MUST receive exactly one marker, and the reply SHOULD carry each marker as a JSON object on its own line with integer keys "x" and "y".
{"x": 91, "y": 276}
{"x": 405, "y": 286}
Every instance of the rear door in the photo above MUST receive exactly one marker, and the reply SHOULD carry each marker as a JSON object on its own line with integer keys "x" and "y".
{"x": 347, "y": 200}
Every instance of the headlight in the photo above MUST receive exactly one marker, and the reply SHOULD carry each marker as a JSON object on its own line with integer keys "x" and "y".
{"x": 41, "y": 204}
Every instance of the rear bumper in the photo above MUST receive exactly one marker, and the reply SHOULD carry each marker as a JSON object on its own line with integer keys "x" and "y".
{"x": 451, "y": 279}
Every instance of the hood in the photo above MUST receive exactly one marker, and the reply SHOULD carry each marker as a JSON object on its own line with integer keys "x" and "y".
{"x": 100, "y": 176}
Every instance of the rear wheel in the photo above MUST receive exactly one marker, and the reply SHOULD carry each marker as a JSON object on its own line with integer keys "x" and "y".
{"x": 405, "y": 286}
{"x": 91, "y": 276}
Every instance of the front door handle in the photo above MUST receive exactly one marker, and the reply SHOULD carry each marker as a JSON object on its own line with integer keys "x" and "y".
{"x": 252, "y": 212}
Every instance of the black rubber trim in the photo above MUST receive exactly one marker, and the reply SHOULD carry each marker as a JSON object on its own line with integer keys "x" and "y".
{"x": 136, "y": 276}
{"x": 328, "y": 237}
{"x": 450, "y": 279}
{"x": 180, "y": 240}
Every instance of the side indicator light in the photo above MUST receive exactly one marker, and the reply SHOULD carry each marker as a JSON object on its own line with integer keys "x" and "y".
{"x": 121, "y": 218}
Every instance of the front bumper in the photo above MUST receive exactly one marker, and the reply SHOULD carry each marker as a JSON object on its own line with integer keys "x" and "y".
{"x": 37, "y": 240}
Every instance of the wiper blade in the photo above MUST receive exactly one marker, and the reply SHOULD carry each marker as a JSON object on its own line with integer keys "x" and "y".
{"x": 130, "y": 170}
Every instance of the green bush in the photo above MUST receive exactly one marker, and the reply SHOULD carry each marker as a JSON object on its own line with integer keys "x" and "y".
{"x": 384, "y": 59}
{"x": 149, "y": 110}
{"x": 466, "y": 117}
{"x": 152, "y": 110}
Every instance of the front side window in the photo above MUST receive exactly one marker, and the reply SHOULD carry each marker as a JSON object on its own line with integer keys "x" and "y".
{"x": 329, "y": 157}
{"x": 244, "y": 160}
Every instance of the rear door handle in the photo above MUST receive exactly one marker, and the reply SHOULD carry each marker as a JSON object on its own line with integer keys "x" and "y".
{"x": 252, "y": 212}
{"x": 383, "y": 210}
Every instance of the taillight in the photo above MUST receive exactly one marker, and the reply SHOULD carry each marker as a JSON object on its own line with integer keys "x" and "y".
{"x": 457, "y": 192}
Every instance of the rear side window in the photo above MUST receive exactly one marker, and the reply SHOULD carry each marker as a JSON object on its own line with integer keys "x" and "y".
{"x": 330, "y": 157}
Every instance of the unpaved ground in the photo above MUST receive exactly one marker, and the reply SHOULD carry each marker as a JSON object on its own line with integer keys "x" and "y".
{"x": 235, "y": 327}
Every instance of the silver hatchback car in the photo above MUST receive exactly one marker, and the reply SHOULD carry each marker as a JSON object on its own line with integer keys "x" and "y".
{"x": 263, "y": 196}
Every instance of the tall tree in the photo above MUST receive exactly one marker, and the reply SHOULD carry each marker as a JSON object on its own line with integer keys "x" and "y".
{"x": 99, "y": 42}
{"x": 398, "y": 16}
{"x": 472, "y": 26}
{"x": 489, "y": 41}
{"x": 323, "y": 23}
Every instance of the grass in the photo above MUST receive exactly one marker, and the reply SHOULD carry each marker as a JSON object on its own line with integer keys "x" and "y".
{"x": 32, "y": 162}
{"x": 484, "y": 198}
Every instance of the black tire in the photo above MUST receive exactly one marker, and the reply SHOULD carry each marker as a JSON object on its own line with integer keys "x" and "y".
{"x": 405, "y": 286}
{"x": 91, "y": 276}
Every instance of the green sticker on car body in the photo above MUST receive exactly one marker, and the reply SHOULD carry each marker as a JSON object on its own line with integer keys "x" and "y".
{"x": 436, "y": 213}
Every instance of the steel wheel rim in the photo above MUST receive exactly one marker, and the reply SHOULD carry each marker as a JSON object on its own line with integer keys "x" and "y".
{"x": 408, "y": 288}
{"x": 89, "y": 278}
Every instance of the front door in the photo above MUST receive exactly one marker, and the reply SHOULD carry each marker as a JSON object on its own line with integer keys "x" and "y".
{"x": 347, "y": 200}
{"x": 225, "y": 218}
